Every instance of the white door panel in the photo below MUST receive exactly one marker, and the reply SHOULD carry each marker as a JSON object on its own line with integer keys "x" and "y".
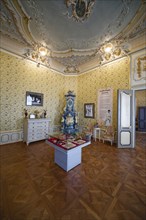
{"x": 126, "y": 119}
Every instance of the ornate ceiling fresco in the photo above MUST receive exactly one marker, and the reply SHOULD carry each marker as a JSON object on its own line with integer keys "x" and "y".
{"x": 72, "y": 36}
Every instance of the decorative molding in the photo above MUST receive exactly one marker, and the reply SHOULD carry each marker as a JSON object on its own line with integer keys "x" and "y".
{"x": 14, "y": 23}
{"x": 138, "y": 69}
{"x": 81, "y": 9}
{"x": 141, "y": 66}
{"x": 20, "y": 28}
{"x": 7, "y": 137}
{"x": 71, "y": 69}
{"x": 38, "y": 17}
{"x": 135, "y": 28}
{"x": 23, "y": 26}
{"x": 39, "y": 54}
{"x": 73, "y": 60}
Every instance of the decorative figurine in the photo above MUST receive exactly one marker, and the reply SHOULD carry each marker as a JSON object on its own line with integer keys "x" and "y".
{"x": 25, "y": 113}
{"x": 36, "y": 113}
{"x": 45, "y": 113}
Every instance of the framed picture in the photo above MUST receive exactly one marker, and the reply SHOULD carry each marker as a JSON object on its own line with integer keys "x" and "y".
{"x": 34, "y": 99}
{"x": 89, "y": 109}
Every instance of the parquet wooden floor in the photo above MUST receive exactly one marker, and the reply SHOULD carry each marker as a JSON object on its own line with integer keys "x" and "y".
{"x": 110, "y": 184}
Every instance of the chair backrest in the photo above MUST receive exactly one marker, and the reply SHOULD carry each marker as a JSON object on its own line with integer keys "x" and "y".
{"x": 109, "y": 134}
{"x": 109, "y": 130}
{"x": 101, "y": 123}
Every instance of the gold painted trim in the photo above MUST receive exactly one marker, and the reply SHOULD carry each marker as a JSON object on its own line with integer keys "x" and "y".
{"x": 140, "y": 15}
{"x": 139, "y": 67}
{"x": 24, "y": 32}
{"x": 24, "y": 18}
{"x": 14, "y": 20}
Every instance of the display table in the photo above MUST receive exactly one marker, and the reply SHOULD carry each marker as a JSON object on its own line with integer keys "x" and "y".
{"x": 68, "y": 153}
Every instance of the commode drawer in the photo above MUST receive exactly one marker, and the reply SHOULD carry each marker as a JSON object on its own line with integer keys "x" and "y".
{"x": 35, "y": 129}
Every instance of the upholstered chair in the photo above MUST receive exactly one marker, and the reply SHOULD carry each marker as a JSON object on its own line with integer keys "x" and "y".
{"x": 108, "y": 135}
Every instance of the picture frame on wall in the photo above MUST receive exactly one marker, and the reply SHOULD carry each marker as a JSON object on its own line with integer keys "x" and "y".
{"x": 89, "y": 110}
{"x": 34, "y": 99}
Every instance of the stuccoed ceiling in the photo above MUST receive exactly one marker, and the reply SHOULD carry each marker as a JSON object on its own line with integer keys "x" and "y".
{"x": 75, "y": 45}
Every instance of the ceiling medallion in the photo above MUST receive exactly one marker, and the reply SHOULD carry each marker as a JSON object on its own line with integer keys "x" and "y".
{"x": 81, "y": 9}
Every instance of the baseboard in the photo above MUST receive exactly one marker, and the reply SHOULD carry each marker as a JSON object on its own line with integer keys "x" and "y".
{"x": 7, "y": 137}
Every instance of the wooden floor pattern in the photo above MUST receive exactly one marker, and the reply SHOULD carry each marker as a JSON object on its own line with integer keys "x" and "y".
{"x": 110, "y": 184}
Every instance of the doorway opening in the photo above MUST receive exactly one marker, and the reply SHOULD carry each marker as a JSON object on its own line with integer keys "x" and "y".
{"x": 140, "y": 117}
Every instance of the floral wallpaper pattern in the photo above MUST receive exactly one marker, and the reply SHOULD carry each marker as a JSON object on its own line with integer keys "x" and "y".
{"x": 18, "y": 75}
{"x": 140, "y": 99}
{"x": 114, "y": 75}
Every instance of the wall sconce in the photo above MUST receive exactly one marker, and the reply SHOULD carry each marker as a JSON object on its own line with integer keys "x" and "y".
{"x": 43, "y": 51}
{"x": 108, "y": 47}
{"x": 110, "y": 51}
{"x": 39, "y": 54}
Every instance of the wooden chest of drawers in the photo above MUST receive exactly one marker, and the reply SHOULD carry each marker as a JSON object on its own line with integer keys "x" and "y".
{"x": 35, "y": 129}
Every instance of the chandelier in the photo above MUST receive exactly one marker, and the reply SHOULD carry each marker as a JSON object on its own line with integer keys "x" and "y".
{"x": 39, "y": 54}
{"x": 79, "y": 10}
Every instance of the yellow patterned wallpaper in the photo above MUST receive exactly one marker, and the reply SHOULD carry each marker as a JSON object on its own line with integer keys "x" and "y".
{"x": 19, "y": 75}
{"x": 140, "y": 99}
{"x": 114, "y": 75}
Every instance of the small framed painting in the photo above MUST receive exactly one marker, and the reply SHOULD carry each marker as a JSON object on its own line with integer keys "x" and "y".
{"x": 89, "y": 109}
{"x": 34, "y": 99}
